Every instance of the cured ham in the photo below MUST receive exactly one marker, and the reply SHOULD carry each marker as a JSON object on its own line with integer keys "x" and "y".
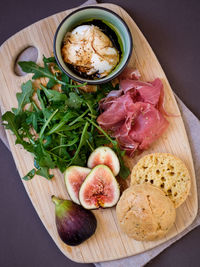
{"x": 147, "y": 92}
{"x": 116, "y": 112}
{"x": 149, "y": 125}
{"x": 130, "y": 73}
{"x": 133, "y": 114}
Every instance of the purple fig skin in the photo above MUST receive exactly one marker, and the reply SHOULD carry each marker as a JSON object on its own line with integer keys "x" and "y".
{"x": 74, "y": 223}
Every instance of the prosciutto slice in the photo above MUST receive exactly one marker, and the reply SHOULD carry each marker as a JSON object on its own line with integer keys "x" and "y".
{"x": 116, "y": 112}
{"x": 133, "y": 114}
{"x": 147, "y": 92}
{"x": 148, "y": 125}
{"x": 130, "y": 73}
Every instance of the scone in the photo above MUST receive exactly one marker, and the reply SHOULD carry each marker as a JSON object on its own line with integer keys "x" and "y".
{"x": 166, "y": 172}
{"x": 145, "y": 213}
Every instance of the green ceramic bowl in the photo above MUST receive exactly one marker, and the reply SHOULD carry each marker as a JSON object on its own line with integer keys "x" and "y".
{"x": 108, "y": 17}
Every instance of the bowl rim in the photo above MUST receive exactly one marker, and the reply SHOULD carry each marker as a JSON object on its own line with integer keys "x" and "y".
{"x": 93, "y": 82}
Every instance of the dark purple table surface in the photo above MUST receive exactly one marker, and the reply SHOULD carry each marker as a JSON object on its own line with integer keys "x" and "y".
{"x": 172, "y": 29}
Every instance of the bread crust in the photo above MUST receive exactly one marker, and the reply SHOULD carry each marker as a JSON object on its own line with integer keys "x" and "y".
{"x": 165, "y": 171}
{"x": 145, "y": 213}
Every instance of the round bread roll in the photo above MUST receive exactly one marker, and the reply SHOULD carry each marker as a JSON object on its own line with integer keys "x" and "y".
{"x": 145, "y": 213}
{"x": 166, "y": 172}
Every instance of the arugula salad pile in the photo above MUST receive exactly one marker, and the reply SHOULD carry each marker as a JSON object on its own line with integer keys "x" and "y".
{"x": 58, "y": 128}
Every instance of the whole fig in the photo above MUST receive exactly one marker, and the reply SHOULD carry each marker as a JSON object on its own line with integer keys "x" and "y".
{"x": 74, "y": 223}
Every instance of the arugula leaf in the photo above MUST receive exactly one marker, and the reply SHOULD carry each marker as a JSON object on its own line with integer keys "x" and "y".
{"x": 14, "y": 124}
{"x": 42, "y": 157}
{"x": 39, "y": 72}
{"x": 24, "y": 97}
{"x": 14, "y": 110}
{"x": 29, "y": 175}
{"x": 32, "y": 120}
{"x": 124, "y": 170}
{"x": 65, "y": 79}
{"x": 49, "y": 60}
{"x": 53, "y": 95}
{"x": 44, "y": 172}
{"x": 74, "y": 101}
{"x": 36, "y": 165}
{"x": 11, "y": 123}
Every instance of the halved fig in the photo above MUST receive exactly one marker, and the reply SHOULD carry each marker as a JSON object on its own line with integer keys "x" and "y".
{"x": 74, "y": 177}
{"x": 106, "y": 156}
{"x": 100, "y": 189}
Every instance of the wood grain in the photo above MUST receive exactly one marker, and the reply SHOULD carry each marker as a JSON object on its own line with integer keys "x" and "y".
{"x": 109, "y": 242}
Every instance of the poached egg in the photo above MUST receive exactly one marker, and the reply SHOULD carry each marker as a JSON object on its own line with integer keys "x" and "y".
{"x": 90, "y": 51}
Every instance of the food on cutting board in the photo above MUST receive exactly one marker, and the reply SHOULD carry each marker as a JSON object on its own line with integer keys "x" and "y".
{"x": 74, "y": 177}
{"x": 88, "y": 51}
{"x": 62, "y": 128}
{"x": 145, "y": 213}
{"x": 62, "y": 122}
{"x": 74, "y": 223}
{"x": 62, "y": 131}
{"x": 166, "y": 172}
{"x": 106, "y": 156}
{"x": 58, "y": 127}
{"x": 95, "y": 187}
{"x": 100, "y": 189}
{"x": 134, "y": 115}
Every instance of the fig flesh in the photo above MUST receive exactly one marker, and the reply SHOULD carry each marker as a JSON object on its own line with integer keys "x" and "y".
{"x": 106, "y": 156}
{"x": 74, "y": 177}
{"x": 100, "y": 189}
{"x": 74, "y": 223}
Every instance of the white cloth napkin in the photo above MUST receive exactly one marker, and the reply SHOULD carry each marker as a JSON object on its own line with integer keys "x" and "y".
{"x": 192, "y": 125}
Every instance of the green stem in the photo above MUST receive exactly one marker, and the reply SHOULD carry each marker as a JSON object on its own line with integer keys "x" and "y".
{"x": 56, "y": 200}
{"x": 75, "y": 86}
{"x": 56, "y": 127}
{"x": 90, "y": 108}
{"x": 80, "y": 143}
{"x": 35, "y": 106}
{"x": 46, "y": 123}
{"x": 58, "y": 147}
{"x": 101, "y": 130}
{"x": 77, "y": 119}
{"x": 69, "y": 85}
{"x": 92, "y": 116}
{"x": 40, "y": 99}
{"x": 66, "y": 145}
{"x": 63, "y": 135}
{"x": 65, "y": 160}
{"x": 90, "y": 146}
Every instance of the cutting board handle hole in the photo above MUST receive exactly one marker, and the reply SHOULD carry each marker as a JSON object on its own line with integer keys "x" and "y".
{"x": 30, "y": 53}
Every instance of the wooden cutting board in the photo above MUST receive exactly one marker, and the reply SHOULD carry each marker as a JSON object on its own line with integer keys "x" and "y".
{"x": 109, "y": 242}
